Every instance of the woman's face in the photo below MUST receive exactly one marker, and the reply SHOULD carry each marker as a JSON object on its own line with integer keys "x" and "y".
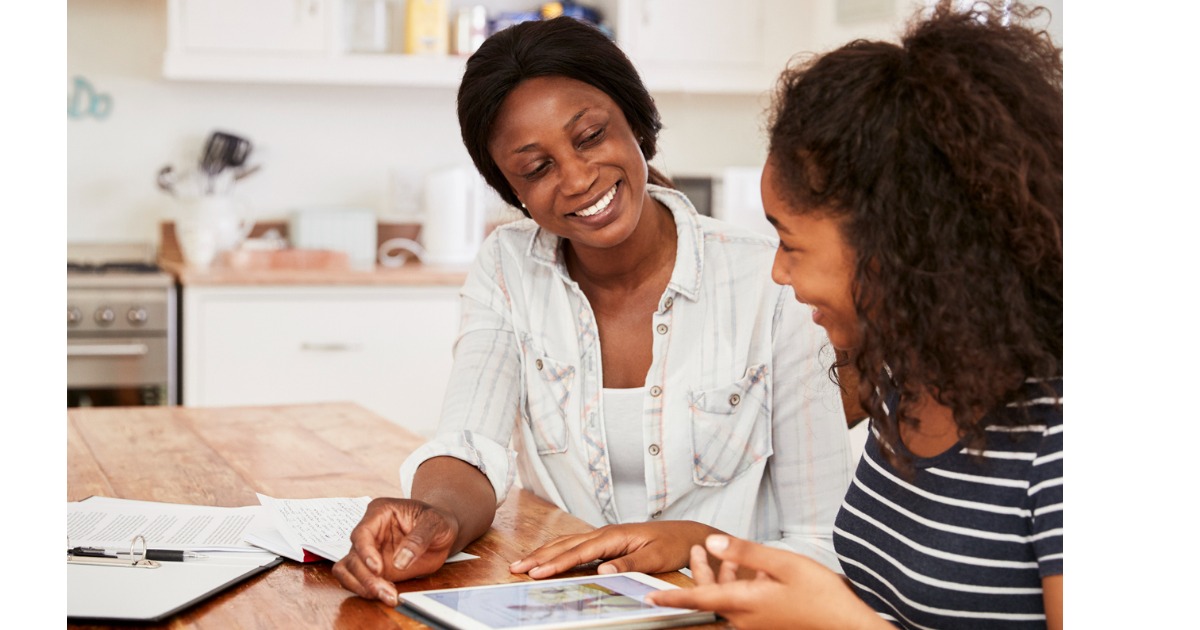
{"x": 572, "y": 159}
{"x": 815, "y": 260}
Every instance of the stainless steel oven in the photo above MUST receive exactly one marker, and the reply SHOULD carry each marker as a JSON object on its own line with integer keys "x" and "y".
{"x": 121, "y": 328}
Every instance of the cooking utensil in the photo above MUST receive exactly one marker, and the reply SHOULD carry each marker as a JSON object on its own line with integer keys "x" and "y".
{"x": 223, "y": 150}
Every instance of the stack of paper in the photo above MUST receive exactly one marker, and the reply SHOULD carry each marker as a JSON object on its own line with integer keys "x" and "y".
{"x": 308, "y": 530}
{"x": 112, "y": 523}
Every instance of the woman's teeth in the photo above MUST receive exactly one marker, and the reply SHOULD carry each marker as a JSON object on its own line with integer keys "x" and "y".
{"x": 599, "y": 206}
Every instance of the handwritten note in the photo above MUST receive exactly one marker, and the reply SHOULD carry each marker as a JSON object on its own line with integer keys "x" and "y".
{"x": 320, "y": 526}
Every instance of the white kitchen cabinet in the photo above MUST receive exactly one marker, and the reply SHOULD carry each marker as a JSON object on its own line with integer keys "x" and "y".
{"x": 700, "y": 46}
{"x": 250, "y": 26}
{"x": 386, "y": 348}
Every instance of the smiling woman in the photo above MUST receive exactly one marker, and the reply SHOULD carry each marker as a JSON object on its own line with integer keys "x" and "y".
{"x": 635, "y": 354}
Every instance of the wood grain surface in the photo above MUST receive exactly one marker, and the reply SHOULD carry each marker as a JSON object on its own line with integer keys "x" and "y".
{"x": 222, "y": 456}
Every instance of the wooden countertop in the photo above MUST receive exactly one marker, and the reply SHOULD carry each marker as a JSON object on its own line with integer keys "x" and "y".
{"x": 222, "y": 456}
{"x": 416, "y": 275}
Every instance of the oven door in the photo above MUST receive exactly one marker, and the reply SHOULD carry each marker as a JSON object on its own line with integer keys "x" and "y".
{"x": 126, "y": 371}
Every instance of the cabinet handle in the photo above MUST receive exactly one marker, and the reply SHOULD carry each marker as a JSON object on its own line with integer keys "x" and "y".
{"x": 330, "y": 347}
{"x": 108, "y": 350}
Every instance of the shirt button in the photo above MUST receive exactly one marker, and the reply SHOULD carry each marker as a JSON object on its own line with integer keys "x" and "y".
{"x": 538, "y": 363}
{"x": 668, "y": 303}
{"x": 654, "y": 450}
{"x": 656, "y": 514}
{"x": 662, "y": 329}
{"x": 734, "y": 399}
{"x": 655, "y": 391}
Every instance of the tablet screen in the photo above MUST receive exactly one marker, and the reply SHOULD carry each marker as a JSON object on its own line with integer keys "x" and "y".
{"x": 592, "y": 599}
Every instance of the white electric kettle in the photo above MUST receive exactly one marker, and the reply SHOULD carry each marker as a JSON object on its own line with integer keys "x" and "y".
{"x": 454, "y": 216}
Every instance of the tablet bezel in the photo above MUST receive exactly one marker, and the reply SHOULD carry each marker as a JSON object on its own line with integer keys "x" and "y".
{"x": 442, "y": 613}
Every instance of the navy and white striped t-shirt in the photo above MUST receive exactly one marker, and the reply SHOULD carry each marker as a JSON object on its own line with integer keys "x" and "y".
{"x": 966, "y": 542}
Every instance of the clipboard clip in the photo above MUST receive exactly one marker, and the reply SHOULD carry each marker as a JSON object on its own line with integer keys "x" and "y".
{"x": 135, "y": 560}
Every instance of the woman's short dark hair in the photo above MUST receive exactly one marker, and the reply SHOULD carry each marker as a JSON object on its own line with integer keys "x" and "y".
{"x": 563, "y": 47}
{"x": 943, "y": 158}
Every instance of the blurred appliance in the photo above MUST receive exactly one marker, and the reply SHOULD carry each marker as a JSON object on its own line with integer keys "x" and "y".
{"x": 699, "y": 191}
{"x": 121, "y": 327}
{"x": 454, "y": 216}
{"x": 741, "y": 200}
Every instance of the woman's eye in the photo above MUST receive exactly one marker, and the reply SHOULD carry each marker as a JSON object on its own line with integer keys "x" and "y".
{"x": 785, "y": 249}
{"x": 592, "y": 138}
{"x": 537, "y": 172}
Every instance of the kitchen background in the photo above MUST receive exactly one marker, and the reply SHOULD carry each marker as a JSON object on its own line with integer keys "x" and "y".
{"x": 363, "y": 145}
{"x": 352, "y": 135}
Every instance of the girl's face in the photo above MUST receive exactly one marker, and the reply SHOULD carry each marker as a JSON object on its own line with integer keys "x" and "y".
{"x": 815, "y": 260}
{"x": 572, "y": 159}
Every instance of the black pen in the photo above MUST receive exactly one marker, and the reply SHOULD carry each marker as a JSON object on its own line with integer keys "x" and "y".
{"x": 162, "y": 555}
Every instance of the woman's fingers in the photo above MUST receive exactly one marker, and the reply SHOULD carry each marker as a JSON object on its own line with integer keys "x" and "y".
{"x": 355, "y": 576}
{"x": 546, "y": 552}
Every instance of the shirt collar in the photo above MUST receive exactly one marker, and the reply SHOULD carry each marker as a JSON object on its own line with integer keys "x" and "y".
{"x": 689, "y": 252}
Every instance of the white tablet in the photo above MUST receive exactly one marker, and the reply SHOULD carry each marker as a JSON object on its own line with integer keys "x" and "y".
{"x": 597, "y": 601}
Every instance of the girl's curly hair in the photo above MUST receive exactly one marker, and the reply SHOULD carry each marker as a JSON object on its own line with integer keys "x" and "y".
{"x": 942, "y": 157}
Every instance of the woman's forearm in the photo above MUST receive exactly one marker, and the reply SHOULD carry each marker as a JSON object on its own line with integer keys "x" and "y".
{"x": 460, "y": 489}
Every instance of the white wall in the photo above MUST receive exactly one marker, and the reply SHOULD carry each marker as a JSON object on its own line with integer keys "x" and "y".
{"x": 319, "y": 145}
{"x": 332, "y": 145}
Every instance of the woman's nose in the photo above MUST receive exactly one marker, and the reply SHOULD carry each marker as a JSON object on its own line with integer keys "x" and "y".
{"x": 578, "y": 175}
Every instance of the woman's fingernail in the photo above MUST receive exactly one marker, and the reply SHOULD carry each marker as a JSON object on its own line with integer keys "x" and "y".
{"x": 386, "y": 597}
{"x": 536, "y": 572}
{"x": 606, "y": 569}
{"x": 373, "y": 565}
{"x": 403, "y": 559}
{"x": 717, "y": 543}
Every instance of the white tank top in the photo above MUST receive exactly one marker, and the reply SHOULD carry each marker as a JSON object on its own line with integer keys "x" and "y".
{"x": 626, "y": 453}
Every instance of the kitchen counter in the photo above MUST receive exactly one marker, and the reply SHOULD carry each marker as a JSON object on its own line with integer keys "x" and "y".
{"x": 249, "y": 270}
{"x": 416, "y": 275}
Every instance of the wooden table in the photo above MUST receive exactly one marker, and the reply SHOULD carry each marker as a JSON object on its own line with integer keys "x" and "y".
{"x": 222, "y": 456}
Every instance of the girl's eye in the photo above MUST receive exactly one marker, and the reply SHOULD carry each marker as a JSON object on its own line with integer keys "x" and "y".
{"x": 785, "y": 249}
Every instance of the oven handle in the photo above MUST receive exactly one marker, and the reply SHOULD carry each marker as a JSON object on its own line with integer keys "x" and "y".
{"x": 108, "y": 350}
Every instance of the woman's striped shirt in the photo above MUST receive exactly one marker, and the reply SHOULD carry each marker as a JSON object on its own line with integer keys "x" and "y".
{"x": 965, "y": 542}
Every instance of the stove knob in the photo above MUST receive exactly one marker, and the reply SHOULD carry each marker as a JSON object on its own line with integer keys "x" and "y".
{"x": 74, "y": 316}
{"x": 136, "y": 316}
{"x": 105, "y": 316}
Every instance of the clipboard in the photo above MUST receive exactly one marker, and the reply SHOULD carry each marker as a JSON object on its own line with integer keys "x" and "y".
{"x": 137, "y": 589}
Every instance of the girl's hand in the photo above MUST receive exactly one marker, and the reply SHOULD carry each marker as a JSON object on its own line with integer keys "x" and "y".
{"x": 788, "y": 591}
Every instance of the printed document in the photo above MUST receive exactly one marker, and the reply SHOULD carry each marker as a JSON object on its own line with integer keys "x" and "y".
{"x": 113, "y": 523}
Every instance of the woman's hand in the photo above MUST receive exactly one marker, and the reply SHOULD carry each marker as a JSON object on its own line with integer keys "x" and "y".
{"x": 789, "y": 590}
{"x": 397, "y": 539}
{"x": 647, "y": 547}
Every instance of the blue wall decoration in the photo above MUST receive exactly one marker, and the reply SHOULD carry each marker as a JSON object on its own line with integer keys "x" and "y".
{"x": 84, "y": 101}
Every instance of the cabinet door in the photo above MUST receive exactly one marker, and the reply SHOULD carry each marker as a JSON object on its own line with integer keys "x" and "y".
{"x": 713, "y": 46}
{"x": 389, "y": 350}
{"x": 707, "y": 33}
{"x": 240, "y": 26}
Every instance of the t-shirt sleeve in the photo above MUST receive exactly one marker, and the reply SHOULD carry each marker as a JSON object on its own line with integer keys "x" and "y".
{"x": 1046, "y": 497}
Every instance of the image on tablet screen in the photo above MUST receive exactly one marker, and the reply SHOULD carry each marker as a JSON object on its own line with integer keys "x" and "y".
{"x": 534, "y": 603}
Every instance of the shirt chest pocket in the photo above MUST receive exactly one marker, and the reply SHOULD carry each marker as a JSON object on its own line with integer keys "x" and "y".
{"x": 548, "y": 395}
{"x": 731, "y": 428}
